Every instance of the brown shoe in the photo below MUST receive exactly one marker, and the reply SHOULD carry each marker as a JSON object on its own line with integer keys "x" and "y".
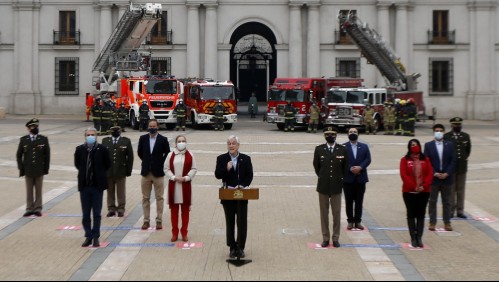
{"x": 159, "y": 226}
{"x": 431, "y": 227}
{"x": 350, "y": 226}
{"x": 448, "y": 227}
{"x": 145, "y": 226}
{"x": 359, "y": 226}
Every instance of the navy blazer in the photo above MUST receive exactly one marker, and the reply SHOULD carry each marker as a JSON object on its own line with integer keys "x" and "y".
{"x": 363, "y": 160}
{"x": 154, "y": 162}
{"x": 448, "y": 162}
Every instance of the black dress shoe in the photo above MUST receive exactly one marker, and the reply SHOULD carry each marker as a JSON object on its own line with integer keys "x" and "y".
{"x": 325, "y": 244}
{"x": 96, "y": 243}
{"x": 110, "y": 214}
{"x": 336, "y": 244}
{"x": 87, "y": 242}
{"x": 241, "y": 254}
{"x": 232, "y": 253}
{"x": 39, "y": 214}
{"x": 121, "y": 214}
{"x": 27, "y": 214}
{"x": 462, "y": 215}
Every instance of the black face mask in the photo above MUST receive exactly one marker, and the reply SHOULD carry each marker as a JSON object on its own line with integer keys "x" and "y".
{"x": 353, "y": 137}
{"x": 152, "y": 130}
{"x": 116, "y": 134}
{"x": 34, "y": 131}
{"x": 457, "y": 129}
{"x": 330, "y": 139}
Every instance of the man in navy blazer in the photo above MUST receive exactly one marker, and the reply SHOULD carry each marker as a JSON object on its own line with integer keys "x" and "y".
{"x": 443, "y": 160}
{"x": 153, "y": 149}
{"x": 354, "y": 184}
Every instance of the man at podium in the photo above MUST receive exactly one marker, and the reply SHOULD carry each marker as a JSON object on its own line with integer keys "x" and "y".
{"x": 236, "y": 171}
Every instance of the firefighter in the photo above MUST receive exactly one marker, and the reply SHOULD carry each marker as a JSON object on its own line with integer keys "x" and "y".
{"x": 401, "y": 117}
{"x": 122, "y": 115}
{"x": 180, "y": 110}
{"x": 289, "y": 117}
{"x": 410, "y": 122}
{"x": 114, "y": 114}
{"x": 218, "y": 111}
{"x": 253, "y": 105}
{"x": 389, "y": 118}
{"x": 143, "y": 116}
{"x": 106, "y": 117}
{"x": 314, "y": 118}
{"x": 368, "y": 116}
{"x": 97, "y": 113}
{"x": 89, "y": 103}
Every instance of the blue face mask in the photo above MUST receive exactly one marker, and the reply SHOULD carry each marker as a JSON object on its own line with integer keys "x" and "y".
{"x": 91, "y": 140}
{"x": 439, "y": 135}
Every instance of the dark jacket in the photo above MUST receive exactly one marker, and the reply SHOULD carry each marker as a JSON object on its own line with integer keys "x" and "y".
{"x": 331, "y": 168}
{"x": 154, "y": 162}
{"x": 101, "y": 163}
{"x": 448, "y": 162}
{"x": 241, "y": 175}
{"x": 33, "y": 157}
{"x": 462, "y": 144}
{"x": 363, "y": 160}
{"x": 121, "y": 156}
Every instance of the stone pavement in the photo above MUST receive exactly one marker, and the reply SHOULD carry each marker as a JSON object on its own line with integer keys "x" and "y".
{"x": 284, "y": 225}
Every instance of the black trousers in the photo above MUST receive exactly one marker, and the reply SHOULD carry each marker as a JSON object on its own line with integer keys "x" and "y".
{"x": 232, "y": 210}
{"x": 91, "y": 202}
{"x": 416, "y": 204}
{"x": 354, "y": 199}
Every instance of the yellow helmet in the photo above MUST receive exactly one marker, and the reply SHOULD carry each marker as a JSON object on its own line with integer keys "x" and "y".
{"x": 403, "y": 102}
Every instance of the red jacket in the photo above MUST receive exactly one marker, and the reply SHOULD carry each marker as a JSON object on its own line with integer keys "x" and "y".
{"x": 408, "y": 177}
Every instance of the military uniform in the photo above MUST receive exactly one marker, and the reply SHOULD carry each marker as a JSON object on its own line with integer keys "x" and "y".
{"x": 462, "y": 145}
{"x": 331, "y": 166}
{"x": 368, "y": 116}
{"x": 33, "y": 161}
{"x": 289, "y": 117}
{"x": 180, "y": 110}
{"x": 218, "y": 111}
{"x": 121, "y": 154}
{"x": 314, "y": 118}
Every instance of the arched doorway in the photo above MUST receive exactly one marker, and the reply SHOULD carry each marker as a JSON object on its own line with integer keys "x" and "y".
{"x": 253, "y": 60}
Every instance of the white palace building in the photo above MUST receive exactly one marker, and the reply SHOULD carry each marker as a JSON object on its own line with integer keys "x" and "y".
{"x": 48, "y": 47}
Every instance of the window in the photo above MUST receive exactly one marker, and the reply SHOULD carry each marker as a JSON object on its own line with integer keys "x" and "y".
{"x": 159, "y": 34}
{"x": 441, "y": 76}
{"x": 343, "y": 37}
{"x": 66, "y": 76}
{"x": 67, "y": 34}
{"x": 440, "y": 33}
{"x": 348, "y": 67}
{"x": 161, "y": 66}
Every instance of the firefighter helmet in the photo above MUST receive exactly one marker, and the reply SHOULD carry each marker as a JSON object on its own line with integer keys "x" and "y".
{"x": 410, "y": 100}
{"x": 402, "y": 102}
{"x": 144, "y": 102}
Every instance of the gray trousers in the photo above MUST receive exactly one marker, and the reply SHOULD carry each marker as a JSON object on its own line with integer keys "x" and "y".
{"x": 335, "y": 202}
{"x": 445, "y": 191}
{"x": 458, "y": 193}
{"x": 116, "y": 188}
{"x": 34, "y": 186}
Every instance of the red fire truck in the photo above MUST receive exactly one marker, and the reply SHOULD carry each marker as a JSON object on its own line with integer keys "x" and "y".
{"x": 301, "y": 92}
{"x": 202, "y": 95}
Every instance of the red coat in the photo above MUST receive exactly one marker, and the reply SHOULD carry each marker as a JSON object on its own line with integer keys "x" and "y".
{"x": 408, "y": 177}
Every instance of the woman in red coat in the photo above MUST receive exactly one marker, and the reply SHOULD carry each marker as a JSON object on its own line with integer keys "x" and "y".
{"x": 417, "y": 174}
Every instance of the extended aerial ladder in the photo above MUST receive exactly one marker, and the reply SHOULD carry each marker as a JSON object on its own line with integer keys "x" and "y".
{"x": 376, "y": 51}
{"x": 121, "y": 50}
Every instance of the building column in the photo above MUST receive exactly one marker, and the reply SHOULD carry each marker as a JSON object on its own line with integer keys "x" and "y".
{"x": 193, "y": 40}
{"x": 210, "y": 41}
{"x": 106, "y": 25}
{"x": 26, "y": 97}
{"x": 295, "y": 42}
{"x": 384, "y": 31}
{"x": 313, "y": 42}
{"x": 482, "y": 98}
{"x": 402, "y": 35}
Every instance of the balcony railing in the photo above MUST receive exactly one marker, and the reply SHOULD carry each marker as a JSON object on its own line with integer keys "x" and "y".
{"x": 441, "y": 37}
{"x": 66, "y": 37}
{"x": 342, "y": 38}
{"x": 163, "y": 38}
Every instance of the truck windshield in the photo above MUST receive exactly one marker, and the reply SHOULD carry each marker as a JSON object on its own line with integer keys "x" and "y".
{"x": 217, "y": 92}
{"x": 287, "y": 95}
{"x": 161, "y": 87}
{"x": 340, "y": 96}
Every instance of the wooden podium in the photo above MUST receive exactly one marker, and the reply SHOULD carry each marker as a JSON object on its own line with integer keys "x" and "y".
{"x": 238, "y": 194}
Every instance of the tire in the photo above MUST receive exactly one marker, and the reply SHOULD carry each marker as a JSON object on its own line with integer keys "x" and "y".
{"x": 133, "y": 121}
{"x": 170, "y": 126}
{"x": 280, "y": 126}
{"x": 228, "y": 126}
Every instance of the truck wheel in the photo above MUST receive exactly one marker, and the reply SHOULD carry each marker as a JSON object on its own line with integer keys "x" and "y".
{"x": 133, "y": 121}
{"x": 170, "y": 126}
{"x": 228, "y": 126}
{"x": 280, "y": 126}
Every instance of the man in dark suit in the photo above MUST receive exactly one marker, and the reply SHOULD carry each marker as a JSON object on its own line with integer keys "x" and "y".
{"x": 92, "y": 161}
{"x": 331, "y": 166}
{"x": 33, "y": 161}
{"x": 462, "y": 144}
{"x": 153, "y": 149}
{"x": 121, "y": 153}
{"x": 354, "y": 186}
{"x": 443, "y": 161}
{"x": 236, "y": 171}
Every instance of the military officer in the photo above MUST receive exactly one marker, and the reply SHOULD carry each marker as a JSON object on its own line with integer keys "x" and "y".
{"x": 331, "y": 166}
{"x": 289, "y": 117}
{"x": 462, "y": 144}
{"x": 368, "y": 116}
{"x": 180, "y": 110}
{"x": 121, "y": 154}
{"x": 33, "y": 161}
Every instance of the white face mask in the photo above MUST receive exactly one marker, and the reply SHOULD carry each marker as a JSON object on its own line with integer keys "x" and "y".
{"x": 439, "y": 135}
{"x": 181, "y": 146}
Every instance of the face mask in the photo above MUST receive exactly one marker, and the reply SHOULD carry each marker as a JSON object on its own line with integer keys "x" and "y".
{"x": 91, "y": 140}
{"x": 34, "y": 131}
{"x": 152, "y": 130}
{"x": 415, "y": 150}
{"x": 181, "y": 146}
{"x": 439, "y": 135}
{"x": 330, "y": 139}
{"x": 116, "y": 134}
{"x": 353, "y": 137}
{"x": 457, "y": 129}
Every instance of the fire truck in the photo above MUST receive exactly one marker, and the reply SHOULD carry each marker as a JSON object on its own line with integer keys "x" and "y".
{"x": 346, "y": 106}
{"x": 202, "y": 95}
{"x": 122, "y": 71}
{"x": 301, "y": 92}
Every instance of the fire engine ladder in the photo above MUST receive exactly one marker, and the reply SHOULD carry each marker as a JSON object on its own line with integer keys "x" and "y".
{"x": 375, "y": 50}
{"x": 130, "y": 32}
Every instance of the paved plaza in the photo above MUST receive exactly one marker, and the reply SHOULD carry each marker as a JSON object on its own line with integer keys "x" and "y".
{"x": 283, "y": 226}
